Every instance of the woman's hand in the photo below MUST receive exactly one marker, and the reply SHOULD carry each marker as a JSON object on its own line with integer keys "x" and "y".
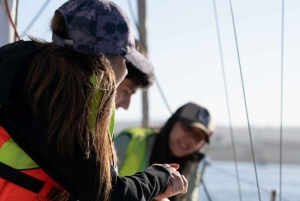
{"x": 177, "y": 183}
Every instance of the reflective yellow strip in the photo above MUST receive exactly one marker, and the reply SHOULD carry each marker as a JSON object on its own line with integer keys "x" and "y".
{"x": 12, "y": 155}
{"x": 94, "y": 107}
{"x": 112, "y": 122}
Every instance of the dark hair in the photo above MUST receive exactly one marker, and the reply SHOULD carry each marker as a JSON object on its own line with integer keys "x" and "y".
{"x": 65, "y": 75}
{"x": 161, "y": 152}
{"x": 138, "y": 78}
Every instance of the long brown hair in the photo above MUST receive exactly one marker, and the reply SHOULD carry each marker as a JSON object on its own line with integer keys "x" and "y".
{"x": 65, "y": 75}
{"x": 162, "y": 154}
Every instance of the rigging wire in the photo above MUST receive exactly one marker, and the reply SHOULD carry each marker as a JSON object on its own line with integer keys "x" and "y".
{"x": 281, "y": 100}
{"x": 11, "y": 20}
{"x": 155, "y": 78}
{"x": 228, "y": 107}
{"x": 245, "y": 100}
{"x": 16, "y": 17}
{"x": 206, "y": 162}
{"x": 245, "y": 181}
{"x": 162, "y": 94}
{"x": 227, "y": 99}
{"x": 35, "y": 17}
{"x": 206, "y": 191}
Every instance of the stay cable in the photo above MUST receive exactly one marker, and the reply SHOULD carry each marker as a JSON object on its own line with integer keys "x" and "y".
{"x": 245, "y": 100}
{"x": 227, "y": 99}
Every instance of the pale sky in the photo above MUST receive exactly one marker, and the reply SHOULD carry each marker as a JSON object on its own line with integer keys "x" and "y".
{"x": 183, "y": 46}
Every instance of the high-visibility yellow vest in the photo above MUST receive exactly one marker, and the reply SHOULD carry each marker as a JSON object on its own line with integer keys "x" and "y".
{"x": 136, "y": 153}
{"x": 27, "y": 182}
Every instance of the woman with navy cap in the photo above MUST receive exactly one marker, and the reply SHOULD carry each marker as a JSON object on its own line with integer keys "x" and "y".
{"x": 181, "y": 140}
{"x": 57, "y": 111}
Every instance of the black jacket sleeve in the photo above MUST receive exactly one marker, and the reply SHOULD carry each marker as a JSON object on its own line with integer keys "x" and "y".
{"x": 141, "y": 186}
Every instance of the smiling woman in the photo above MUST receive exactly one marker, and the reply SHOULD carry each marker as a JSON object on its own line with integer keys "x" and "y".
{"x": 185, "y": 140}
{"x": 181, "y": 140}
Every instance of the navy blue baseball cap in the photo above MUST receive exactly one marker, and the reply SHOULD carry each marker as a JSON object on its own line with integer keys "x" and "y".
{"x": 98, "y": 27}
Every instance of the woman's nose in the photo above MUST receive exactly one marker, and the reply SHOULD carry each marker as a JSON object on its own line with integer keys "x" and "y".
{"x": 189, "y": 140}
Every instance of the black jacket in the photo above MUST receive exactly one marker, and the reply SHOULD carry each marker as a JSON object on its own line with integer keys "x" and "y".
{"x": 76, "y": 175}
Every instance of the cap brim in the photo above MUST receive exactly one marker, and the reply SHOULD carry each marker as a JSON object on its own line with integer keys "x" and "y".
{"x": 196, "y": 125}
{"x": 140, "y": 62}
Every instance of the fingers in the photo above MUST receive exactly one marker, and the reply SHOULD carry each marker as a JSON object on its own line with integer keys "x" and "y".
{"x": 169, "y": 190}
{"x": 177, "y": 184}
{"x": 185, "y": 184}
{"x": 175, "y": 165}
{"x": 169, "y": 168}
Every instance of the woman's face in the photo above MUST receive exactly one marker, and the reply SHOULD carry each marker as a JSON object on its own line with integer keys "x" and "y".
{"x": 119, "y": 67}
{"x": 185, "y": 140}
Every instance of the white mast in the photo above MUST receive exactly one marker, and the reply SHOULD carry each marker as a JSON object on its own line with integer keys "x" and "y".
{"x": 6, "y": 29}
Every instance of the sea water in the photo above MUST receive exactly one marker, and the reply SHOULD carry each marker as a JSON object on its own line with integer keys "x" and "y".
{"x": 221, "y": 181}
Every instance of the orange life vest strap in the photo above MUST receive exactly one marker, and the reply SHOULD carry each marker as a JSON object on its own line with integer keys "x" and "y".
{"x": 21, "y": 179}
{"x": 33, "y": 182}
